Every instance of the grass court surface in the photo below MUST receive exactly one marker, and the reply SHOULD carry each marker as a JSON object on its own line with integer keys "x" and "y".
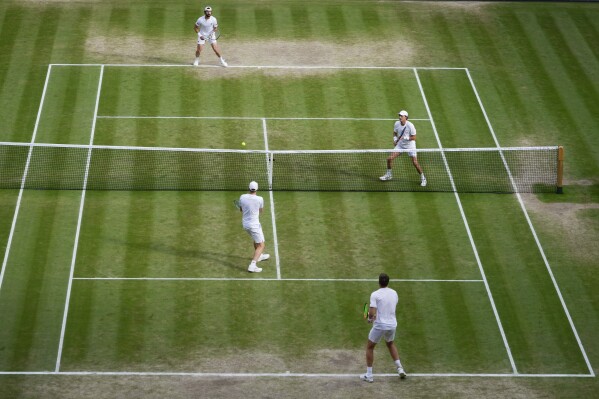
{"x": 149, "y": 289}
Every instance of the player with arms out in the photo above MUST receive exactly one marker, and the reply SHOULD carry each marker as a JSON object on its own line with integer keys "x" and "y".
{"x": 404, "y": 138}
{"x": 205, "y": 27}
{"x": 251, "y": 206}
{"x": 382, "y": 314}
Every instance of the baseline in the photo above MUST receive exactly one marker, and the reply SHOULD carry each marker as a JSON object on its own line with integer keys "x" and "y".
{"x": 401, "y": 280}
{"x": 284, "y": 375}
{"x": 262, "y": 66}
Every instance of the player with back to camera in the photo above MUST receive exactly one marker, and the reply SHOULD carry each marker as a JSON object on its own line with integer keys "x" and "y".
{"x": 382, "y": 314}
{"x": 205, "y": 26}
{"x": 404, "y": 138}
{"x": 251, "y": 206}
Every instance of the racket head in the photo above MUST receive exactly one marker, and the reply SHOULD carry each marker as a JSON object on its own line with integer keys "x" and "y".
{"x": 366, "y": 308}
{"x": 237, "y": 203}
{"x": 216, "y": 34}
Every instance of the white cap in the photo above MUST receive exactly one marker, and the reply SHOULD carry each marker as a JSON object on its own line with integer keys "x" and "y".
{"x": 207, "y": 8}
{"x": 253, "y": 186}
{"x": 402, "y": 112}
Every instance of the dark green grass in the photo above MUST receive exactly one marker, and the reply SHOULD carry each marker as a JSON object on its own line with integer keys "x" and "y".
{"x": 535, "y": 66}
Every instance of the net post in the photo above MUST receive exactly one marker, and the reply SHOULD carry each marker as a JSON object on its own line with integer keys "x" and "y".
{"x": 560, "y": 169}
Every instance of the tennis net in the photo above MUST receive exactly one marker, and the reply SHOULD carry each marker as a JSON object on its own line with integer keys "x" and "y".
{"x": 100, "y": 167}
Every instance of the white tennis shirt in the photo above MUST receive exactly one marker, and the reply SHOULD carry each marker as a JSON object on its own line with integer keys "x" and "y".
{"x": 250, "y": 206}
{"x": 384, "y": 300}
{"x": 206, "y": 26}
{"x": 408, "y": 130}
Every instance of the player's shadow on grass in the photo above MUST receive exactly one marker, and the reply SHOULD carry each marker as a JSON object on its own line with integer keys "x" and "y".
{"x": 233, "y": 262}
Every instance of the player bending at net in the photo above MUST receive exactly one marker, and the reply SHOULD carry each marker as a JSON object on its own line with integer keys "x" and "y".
{"x": 404, "y": 138}
{"x": 251, "y": 206}
{"x": 206, "y": 27}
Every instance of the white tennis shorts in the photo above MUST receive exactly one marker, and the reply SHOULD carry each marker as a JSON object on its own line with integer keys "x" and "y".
{"x": 376, "y": 334}
{"x": 210, "y": 40}
{"x": 256, "y": 233}
{"x": 410, "y": 145}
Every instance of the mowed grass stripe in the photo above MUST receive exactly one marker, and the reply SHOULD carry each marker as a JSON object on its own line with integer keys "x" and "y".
{"x": 12, "y": 20}
{"x": 453, "y": 106}
{"x": 569, "y": 76}
{"x": 354, "y": 234}
{"x": 505, "y": 67}
{"x": 579, "y": 49}
{"x": 584, "y": 22}
{"x": 34, "y": 286}
{"x": 68, "y": 111}
{"x": 534, "y": 320}
{"x": 551, "y": 95}
{"x": 19, "y": 114}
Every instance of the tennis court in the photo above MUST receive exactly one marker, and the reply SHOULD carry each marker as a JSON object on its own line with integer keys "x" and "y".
{"x": 155, "y": 281}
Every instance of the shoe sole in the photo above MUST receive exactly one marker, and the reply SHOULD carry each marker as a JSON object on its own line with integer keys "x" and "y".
{"x": 365, "y": 380}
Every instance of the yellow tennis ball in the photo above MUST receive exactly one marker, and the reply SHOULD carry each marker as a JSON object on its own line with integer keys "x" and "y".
{"x": 243, "y": 143}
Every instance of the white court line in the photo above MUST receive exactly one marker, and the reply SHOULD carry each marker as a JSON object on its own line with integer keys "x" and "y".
{"x": 262, "y": 66}
{"x": 369, "y": 280}
{"x": 76, "y": 244}
{"x": 532, "y": 229}
{"x": 272, "y": 201}
{"x": 18, "y": 206}
{"x": 459, "y": 202}
{"x": 285, "y": 375}
{"x": 252, "y": 118}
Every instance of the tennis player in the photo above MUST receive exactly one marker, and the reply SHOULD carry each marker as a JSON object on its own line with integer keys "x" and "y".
{"x": 382, "y": 312}
{"x": 404, "y": 138}
{"x": 204, "y": 27}
{"x": 251, "y": 206}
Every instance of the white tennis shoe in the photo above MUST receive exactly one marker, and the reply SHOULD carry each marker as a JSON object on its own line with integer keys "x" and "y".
{"x": 423, "y": 182}
{"x": 253, "y": 269}
{"x": 386, "y": 177}
{"x": 196, "y": 63}
{"x": 263, "y": 257}
{"x": 367, "y": 378}
{"x": 401, "y": 372}
{"x": 223, "y": 62}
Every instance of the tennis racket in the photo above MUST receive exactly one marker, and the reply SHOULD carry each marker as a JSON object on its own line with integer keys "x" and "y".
{"x": 366, "y": 308}
{"x": 215, "y": 34}
{"x": 237, "y": 204}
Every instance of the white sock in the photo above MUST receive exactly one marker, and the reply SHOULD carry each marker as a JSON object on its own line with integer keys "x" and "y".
{"x": 253, "y": 263}
{"x": 389, "y": 172}
{"x": 422, "y": 176}
{"x": 368, "y": 370}
{"x": 198, "y": 59}
{"x": 398, "y": 364}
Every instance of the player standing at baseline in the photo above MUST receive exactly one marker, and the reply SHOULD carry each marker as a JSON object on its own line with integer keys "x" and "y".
{"x": 382, "y": 312}
{"x": 205, "y": 27}
{"x": 251, "y": 206}
{"x": 404, "y": 138}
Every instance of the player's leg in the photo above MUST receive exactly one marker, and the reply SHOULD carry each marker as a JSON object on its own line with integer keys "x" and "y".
{"x": 390, "y": 337}
{"x": 389, "y": 174}
{"x": 418, "y": 168}
{"x": 373, "y": 338}
{"x": 259, "y": 245}
{"x": 216, "y": 49}
{"x": 199, "y": 49}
